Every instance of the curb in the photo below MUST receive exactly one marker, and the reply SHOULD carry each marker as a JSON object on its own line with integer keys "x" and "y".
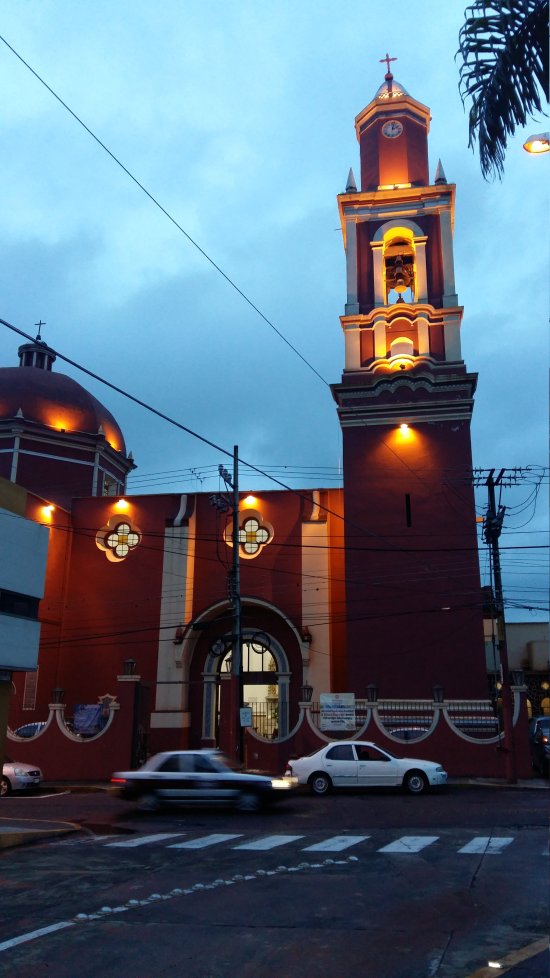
{"x": 19, "y": 836}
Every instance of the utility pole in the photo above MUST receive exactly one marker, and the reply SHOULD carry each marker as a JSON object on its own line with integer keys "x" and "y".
{"x": 234, "y": 590}
{"x": 492, "y": 528}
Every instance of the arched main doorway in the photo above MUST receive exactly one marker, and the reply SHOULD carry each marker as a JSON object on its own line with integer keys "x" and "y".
{"x": 265, "y": 684}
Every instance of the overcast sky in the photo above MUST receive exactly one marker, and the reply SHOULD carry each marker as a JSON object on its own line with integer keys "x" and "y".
{"x": 238, "y": 117}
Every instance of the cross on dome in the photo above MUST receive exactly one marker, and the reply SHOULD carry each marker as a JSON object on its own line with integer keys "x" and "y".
{"x": 387, "y": 59}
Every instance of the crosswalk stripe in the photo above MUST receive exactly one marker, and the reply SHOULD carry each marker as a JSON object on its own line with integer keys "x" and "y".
{"x": 410, "y": 843}
{"x": 337, "y": 843}
{"x": 205, "y": 841}
{"x": 143, "y": 840}
{"x": 268, "y": 842}
{"x": 492, "y": 845}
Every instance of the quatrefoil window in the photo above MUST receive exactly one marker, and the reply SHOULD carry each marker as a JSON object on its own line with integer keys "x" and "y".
{"x": 117, "y": 539}
{"x": 254, "y": 534}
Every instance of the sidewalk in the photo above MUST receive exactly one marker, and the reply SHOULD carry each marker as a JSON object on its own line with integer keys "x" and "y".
{"x": 18, "y": 832}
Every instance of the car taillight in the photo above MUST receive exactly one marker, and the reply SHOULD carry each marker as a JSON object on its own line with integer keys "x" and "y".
{"x": 118, "y": 781}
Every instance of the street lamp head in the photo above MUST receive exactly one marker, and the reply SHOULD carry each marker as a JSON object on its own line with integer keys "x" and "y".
{"x": 538, "y": 143}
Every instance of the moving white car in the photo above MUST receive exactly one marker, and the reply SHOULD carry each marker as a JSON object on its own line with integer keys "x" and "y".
{"x": 198, "y": 777}
{"x": 361, "y": 764}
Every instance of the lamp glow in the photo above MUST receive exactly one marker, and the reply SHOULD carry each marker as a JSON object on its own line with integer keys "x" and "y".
{"x": 403, "y": 428}
{"x": 539, "y": 143}
{"x": 249, "y": 500}
{"x": 122, "y": 505}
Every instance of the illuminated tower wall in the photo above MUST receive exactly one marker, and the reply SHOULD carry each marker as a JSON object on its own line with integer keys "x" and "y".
{"x": 414, "y": 612}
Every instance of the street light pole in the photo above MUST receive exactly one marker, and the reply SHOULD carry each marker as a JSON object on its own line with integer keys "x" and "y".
{"x": 491, "y": 530}
{"x": 234, "y": 591}
{"x": 237, "y": 668}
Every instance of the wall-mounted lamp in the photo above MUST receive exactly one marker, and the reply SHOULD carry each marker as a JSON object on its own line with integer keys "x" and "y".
{"x": 250, "y": 501}
{"x": 403, "y": 428}
{"x": 372, "y": 693}
{"x": 518, "y": 677}
{"x": 439, "y": 694}
{"x": 58, "y": 695}
{"x": 47, "y": 511}
{"x": 307, "y": 637}
{"x": 178, "y": 635}
{"x": 122, "y": 505}
{"x": 306, "y": 692}
{"x": 539, "y": 143}
{"x": 128, "y": 667}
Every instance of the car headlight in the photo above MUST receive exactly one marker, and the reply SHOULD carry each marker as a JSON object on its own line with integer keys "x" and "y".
{"x": 440, "y": 768}
{"x": 20, "y": 773}
{"x": 285, "y": 783}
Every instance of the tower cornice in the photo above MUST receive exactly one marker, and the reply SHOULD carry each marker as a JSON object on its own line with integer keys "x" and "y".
{"x": 402, "y": 105}
{"x": 391, "y": 202}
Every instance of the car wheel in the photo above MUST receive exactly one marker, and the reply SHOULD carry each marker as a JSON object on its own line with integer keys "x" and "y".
{"x": 415, "y": 782}
{"x": 5, "y": 787}
{"x": 320, "y": 783}
{"x": 149, "y": 802}
{"x": 249, "y": 802}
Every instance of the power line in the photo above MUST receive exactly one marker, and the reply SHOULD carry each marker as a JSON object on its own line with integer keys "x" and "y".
{"x": 167, "y": 214}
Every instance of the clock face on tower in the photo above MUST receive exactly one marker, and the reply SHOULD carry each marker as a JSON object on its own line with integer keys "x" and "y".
{"x": 392, "y": 129}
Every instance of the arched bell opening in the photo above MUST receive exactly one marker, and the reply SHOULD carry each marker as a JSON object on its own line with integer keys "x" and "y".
{"x": 399, "y": 271}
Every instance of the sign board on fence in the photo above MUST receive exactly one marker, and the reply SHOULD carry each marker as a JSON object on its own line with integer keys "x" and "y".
{"x": 246, "y": 716}
{"x": 87, "y": 719}
{"x": 337, "y": 711}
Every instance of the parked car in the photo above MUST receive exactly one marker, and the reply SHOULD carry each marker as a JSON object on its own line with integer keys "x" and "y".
{"x": 201, "y": 777}
{"x": 30, "y": 729}
{"x": 539, "y": 742}
{"x": 17, "y": 776}
{"x": 353, "y": 764}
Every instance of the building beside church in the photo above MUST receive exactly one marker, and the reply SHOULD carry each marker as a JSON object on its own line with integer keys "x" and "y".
{"x": 373, "y": 590}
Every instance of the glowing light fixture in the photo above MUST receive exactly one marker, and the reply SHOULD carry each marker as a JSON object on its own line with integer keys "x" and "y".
{"x": 539, "y": 143}
{"x": 122, "y": 505}
{"x": 250, "y": 500}
{"x": 403, "y": 428}
{"x": 47, "y": 511}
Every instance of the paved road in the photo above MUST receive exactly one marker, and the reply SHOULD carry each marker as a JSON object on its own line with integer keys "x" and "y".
{"x": 378, "y": 885}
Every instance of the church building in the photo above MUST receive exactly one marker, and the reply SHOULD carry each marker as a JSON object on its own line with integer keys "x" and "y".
{"x": 373, "y": 590}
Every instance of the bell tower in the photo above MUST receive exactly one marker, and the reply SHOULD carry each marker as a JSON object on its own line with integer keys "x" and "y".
{"x": 414, "y": 609}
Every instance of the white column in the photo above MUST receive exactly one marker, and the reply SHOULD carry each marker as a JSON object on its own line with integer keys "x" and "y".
{"x": 421, "y": 276}
{"x": 450, "y": 297}
{"x": 378, "y": 273}
{"x": 352, "y": 303}
{"x": 451, "y": 333}
{"x": 380, "y": 339}
{"x": 423, "y": 336}
{"x": 352, "y": 340}
{"x": 171, "y": 678}
{"x": 316, "y": 600}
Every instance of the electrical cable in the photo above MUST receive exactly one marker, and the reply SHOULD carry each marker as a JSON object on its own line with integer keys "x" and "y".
{"x": 166, "y": 213}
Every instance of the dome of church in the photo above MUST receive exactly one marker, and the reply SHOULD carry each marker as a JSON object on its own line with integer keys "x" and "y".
{"x": 390, "y": 88}
{"x": 37, "y": 394}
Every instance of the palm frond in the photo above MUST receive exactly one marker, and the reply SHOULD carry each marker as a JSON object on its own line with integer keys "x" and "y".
{"x": 503, "y": 46}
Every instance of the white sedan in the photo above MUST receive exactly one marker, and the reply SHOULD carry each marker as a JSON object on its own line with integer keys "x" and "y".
{"x": 17, "y": 776}
{"x": 357, "y": 764}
